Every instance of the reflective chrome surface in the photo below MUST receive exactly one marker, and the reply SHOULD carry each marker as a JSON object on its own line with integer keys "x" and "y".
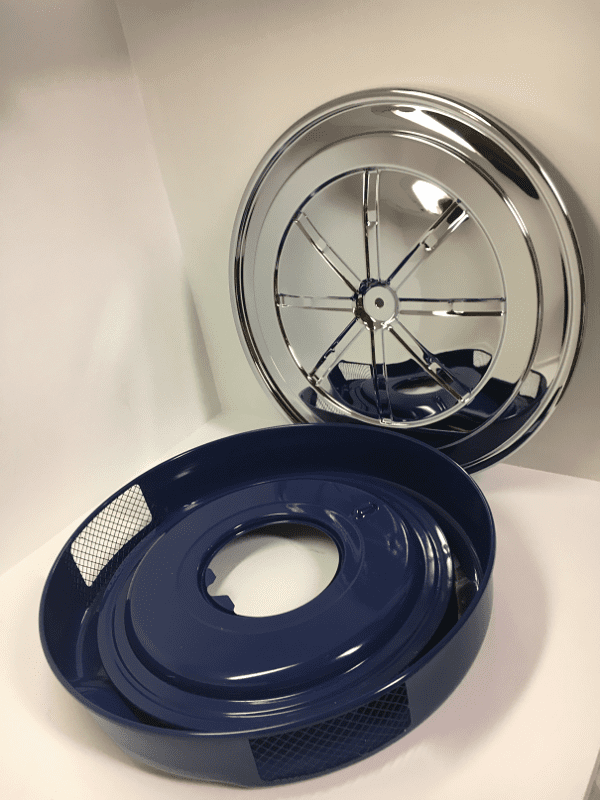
{"x": 400, "y": 259}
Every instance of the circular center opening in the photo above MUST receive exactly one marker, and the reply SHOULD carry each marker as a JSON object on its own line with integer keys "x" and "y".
{"x": 380, "y": 304}
{"x": 273, "y": 569}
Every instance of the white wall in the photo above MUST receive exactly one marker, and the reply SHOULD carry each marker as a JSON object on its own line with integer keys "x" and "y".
{"x": 102, "y": 362}
{"x": 98, "y": 352}
{"x": 221, "y": 81}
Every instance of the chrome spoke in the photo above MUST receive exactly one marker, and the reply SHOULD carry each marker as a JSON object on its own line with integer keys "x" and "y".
{"x": 449, "y": 221}
{"x": 333, "y": 303}
{"x": 327, "y": 252}
{"x": 380, "y": 376}
{"x": 335, "y": 351}
{"x": 428, "y": 361}
{"x": 371, "y": 222}
{"x": 453, "y": 307}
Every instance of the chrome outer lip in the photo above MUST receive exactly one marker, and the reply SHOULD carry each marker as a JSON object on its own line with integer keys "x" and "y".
{"x": 453, "y": 220}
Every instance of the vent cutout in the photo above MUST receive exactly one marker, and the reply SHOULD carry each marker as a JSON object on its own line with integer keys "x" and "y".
{"x": 325, "y": 405}
{"x": 481, "y": 358}
{"x": 330, "y": 744}
{"x": 531, "y": 385}
{"x": 353, "y": 371}
{"x": 109, "y": 531}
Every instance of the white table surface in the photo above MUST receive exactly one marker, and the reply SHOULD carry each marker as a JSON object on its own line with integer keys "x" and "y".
{"x": 524, "y": 723}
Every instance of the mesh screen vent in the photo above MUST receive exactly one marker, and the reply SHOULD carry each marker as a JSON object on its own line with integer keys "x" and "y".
{"x": 353, "y": 371}
{"x": 325, "y": 405}
{"x": 109, "y": 531}
{"x": 481, "y": 358}
{"x": 337, "y": 741}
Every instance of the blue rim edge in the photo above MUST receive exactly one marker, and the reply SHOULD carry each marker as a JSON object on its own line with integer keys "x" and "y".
{"x": 428, "y": 681}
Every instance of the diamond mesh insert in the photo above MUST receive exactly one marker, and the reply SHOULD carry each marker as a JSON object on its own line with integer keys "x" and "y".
{"x": 337, "y": 741}
{"x": 109, "y": 531}
{"x": 325, "y": 405}
{"x": 353, "y": 371}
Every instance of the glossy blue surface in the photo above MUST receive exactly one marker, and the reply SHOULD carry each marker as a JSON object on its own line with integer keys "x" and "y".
{"x": 176, "y": 679}
{"x": 360, "y": 395}
{"x": 182, "y": 658}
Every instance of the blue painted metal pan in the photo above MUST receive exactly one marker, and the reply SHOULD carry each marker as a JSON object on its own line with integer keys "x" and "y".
{"x": 182, "y": 682}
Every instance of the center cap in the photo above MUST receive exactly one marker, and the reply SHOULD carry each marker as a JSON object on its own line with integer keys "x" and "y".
{"x": 380, "y": 304}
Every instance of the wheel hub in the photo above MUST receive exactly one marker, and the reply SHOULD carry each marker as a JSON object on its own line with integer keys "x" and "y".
{"x": 377, "y": 306}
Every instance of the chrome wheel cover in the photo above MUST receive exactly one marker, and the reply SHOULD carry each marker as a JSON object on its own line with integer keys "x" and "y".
{"x": 402, "y": 260}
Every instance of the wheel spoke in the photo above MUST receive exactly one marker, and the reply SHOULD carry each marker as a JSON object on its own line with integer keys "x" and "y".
{"x": 444, "y": 225}
{"x": 449, "y": 221}
{"x": 335, "y": 351}
{"x": 327, "y": 252}
{"x": 380, "y": 376}
{"x": 428, "y": 361}
{"x": 453, "y": 307}
{"x": 371, "y": 222}
{"x": 316, "y": 303}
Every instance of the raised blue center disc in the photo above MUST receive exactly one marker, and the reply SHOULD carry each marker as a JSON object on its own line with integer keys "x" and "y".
{"x": 182, "y": 682}
{"x": 178, "y": 654}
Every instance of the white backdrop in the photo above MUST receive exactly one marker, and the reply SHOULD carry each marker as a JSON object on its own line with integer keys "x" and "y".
{"x": 128, "y": 132}
{"x": 222, "y": 81}
{"x": 98, "y": 343}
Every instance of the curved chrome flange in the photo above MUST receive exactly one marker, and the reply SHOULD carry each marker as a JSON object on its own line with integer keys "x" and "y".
{"x": 400, "y": 259}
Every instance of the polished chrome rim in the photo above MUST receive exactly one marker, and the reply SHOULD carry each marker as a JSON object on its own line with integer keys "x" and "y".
{"x": 402, "y": 260}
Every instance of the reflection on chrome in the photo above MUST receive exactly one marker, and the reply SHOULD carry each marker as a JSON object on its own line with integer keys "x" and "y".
{"x": 423, "y": 119}
{"x": 389, "y": 265}
{"x": 430, "y": 196}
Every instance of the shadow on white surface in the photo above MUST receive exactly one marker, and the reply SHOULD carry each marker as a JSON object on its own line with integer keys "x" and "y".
{"x": 207, "y": 389}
